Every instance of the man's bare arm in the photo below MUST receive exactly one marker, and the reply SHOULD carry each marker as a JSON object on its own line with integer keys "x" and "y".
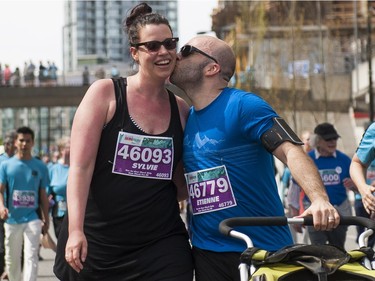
{"x": 305, "y": 173}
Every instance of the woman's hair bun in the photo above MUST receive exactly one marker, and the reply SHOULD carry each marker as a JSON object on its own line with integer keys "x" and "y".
{"x": 137, "y": 11}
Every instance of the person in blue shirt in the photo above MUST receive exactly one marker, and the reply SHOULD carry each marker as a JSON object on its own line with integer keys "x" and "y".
{"x": 229, "y": 142}
{"x": 362, "y": 171}
{"x": 58, "y": 174}
{"x": 359, "y": 208}
{"x": 333, "y": 166}
{"x": 9, "y": 150}
{"x": 23, "y": 182}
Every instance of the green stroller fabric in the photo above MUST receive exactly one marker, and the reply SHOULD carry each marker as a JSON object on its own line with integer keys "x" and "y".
{"x": 307, "y": 262}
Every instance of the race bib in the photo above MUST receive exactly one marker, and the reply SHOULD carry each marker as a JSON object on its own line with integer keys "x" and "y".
{"x": 144, "y": 156}
{"x": 61, "y": 205}
{"x": 330, "y": 176}
{"x": 210, "y": 190}
{"x": 23, "y": 199}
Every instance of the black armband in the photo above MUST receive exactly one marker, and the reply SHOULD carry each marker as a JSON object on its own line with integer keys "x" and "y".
{"x": 279, "y": 133}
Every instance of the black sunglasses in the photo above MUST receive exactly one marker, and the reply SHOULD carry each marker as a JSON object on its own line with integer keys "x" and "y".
{"x": 187, "y": 50}
{"x": 154, "y": 46}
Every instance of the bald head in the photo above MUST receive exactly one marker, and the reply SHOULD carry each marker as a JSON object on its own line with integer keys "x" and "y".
{"x": 218, "y": 49}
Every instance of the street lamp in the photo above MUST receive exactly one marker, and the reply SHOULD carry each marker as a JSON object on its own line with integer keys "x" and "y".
{"x": 68, "y": 25}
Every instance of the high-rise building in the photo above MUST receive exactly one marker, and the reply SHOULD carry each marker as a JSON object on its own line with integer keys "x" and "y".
{"x": 93, "y": 34}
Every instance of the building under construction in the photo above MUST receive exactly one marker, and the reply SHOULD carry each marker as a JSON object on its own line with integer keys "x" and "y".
{"x": 309, "y": 59}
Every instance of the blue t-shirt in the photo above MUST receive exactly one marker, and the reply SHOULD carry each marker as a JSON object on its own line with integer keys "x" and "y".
{"x": 230, "y": 173}
{"x": 366, "y": 154}
{"x": 333, "y": 170}
{"x": 23, "y": 178}
{"x": 58, "y": 174}
{"x": 3, "y": 157}
{"x": 366, "y": 151}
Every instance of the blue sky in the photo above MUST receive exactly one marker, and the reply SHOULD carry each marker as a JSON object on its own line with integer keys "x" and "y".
{"x": 31, "y": 29}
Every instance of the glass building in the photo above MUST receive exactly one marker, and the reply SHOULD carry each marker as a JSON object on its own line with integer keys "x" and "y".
{"x": 93, "y": 34}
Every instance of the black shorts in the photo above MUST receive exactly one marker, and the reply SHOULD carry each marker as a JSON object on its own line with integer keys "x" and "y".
{"x": 216, "y": 266}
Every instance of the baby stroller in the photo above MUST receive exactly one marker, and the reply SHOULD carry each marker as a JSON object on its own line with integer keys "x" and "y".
{"x": 302, "y": 262}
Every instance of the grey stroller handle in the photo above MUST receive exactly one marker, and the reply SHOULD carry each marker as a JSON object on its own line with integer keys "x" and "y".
{"x": 225, "y": 227}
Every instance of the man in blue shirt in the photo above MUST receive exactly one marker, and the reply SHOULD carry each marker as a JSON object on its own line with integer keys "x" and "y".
{"x": 229, "y": 142}
{"x": 23, "y": 182}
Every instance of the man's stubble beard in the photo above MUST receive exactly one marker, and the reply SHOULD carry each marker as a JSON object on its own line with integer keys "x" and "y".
{"x": 187, "y": 78}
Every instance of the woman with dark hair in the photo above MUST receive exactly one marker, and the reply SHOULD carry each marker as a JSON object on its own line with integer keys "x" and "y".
{"x": 123, "y": 220}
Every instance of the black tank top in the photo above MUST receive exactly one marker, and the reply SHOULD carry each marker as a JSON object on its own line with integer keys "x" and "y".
{"x": 126, "y": 213}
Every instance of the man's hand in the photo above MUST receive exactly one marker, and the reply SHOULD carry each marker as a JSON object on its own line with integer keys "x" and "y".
{"x": 306, "y": 174}
{"x": 4, "y": 213}
{"x": 325, "y": 216}
{"x": 45, "y": 227}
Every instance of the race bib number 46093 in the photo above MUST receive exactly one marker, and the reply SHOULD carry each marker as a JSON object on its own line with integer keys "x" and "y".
{"x": 210, "y": 190}
{"x": 143, "y": 156}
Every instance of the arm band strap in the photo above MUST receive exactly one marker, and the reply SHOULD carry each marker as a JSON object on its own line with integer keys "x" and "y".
{"x": 279, "y": 133}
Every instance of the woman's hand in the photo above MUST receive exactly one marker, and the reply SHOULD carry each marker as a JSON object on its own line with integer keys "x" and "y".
{"x": 76, "y": 250}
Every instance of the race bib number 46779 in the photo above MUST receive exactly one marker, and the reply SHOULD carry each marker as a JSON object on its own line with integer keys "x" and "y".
{"x": 143, "y": 156}
{"x": 210, "y": 190}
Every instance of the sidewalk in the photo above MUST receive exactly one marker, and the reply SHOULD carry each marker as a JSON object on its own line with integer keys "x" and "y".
{"x": 45, "y": 271}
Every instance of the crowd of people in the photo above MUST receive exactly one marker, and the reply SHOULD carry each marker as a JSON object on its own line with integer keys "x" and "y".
{"x": 43, "y": 75}
{"x": 30, "y": 76}
{"x": 100, "y": 73}
{"x": 136, "y": 150}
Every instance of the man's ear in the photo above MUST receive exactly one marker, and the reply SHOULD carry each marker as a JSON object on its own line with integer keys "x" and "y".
{"x": 213, "y": 69}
